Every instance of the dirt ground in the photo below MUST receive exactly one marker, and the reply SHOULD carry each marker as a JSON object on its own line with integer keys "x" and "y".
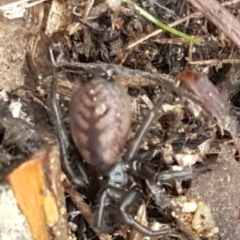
{"x": 12, "y": 52}
{"x": 219, "y": 188}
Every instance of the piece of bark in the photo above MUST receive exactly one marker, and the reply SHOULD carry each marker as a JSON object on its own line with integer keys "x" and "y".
{"x": 37, "y": 189}
{"x": 220, "y": 17}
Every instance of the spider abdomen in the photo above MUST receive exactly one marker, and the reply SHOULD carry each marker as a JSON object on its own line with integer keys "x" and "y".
{"x": 100, "y": 119}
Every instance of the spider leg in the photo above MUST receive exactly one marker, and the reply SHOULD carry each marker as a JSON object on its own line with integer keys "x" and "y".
{"x": 175, "y": 175}
{"x": 102, "y": 204}
{"x": 144, "y": 170}
{"x": 147, "y": 122}
{"x": 110, "y": 192}
{"x": 79, "y": 181}
{"x": 184, "y": 174}
{"x": 131, "y": 198}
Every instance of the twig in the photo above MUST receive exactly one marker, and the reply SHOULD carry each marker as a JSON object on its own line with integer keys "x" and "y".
{"x": 111, "y": 69}
{"x": 115, "y": 69}
{"x": 220, "y": 17}
{"x": 214, "y": 62}
{"x": 176, "y": 41}
{"x": 38, "y": 101}
{"x": 83, "y": 208}
{"x": 88, "y": 9}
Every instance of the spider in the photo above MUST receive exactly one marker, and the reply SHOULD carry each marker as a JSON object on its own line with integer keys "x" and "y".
{"x": 123, "y": 176}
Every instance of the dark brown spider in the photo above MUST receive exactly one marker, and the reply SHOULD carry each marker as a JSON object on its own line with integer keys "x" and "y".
{"x": 122, "y": 187}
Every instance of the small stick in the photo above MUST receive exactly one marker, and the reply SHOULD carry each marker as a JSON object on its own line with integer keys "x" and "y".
{"x": 221, "y": 17}
{"x": 111, "y": 69}
{"x": 83, "y": 208}
{"x": 214, "y": 62}
{"x": 213, "y": 101}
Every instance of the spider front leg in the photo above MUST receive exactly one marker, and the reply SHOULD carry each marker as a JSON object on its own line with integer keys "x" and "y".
{"x": 79, "y": 181}
{"x": 129, "y": 200}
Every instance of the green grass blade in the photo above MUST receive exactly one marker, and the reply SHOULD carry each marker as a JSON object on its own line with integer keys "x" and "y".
{"x": 163, "y": 25}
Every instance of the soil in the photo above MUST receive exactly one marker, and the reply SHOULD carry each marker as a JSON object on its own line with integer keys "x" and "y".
{"x": 219, "y": 188}
{"x": 12, "y": 52}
